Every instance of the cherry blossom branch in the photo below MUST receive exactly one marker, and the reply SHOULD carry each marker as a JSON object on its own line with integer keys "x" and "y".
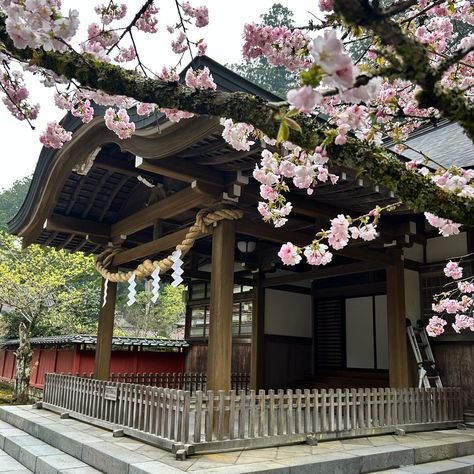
{"x": 383, "y": 166}
{"x": 181, "y": 20}
{"x": 128, "y": 29}
{"x": 455, "y": 58}
{"x": 416, "y": 65}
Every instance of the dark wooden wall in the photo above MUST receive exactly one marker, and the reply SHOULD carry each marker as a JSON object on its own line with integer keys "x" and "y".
{"x": 455, "y": 362}
{"x": 196, "y": 357}
{"x": 287, "y": 360}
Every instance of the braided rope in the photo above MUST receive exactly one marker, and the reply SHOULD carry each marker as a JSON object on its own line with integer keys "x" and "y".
{"x": 204, "y": 220}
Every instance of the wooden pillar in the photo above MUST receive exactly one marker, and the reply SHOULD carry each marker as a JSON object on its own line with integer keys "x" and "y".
{"x": 258, "y": 337}
{"x": 219, "y": 354}
{"x": 103, "y": 349}
{"x": 397, "y": 335}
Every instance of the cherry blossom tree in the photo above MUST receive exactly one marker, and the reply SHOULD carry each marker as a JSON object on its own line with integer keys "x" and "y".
{"x": 414, "y": 68}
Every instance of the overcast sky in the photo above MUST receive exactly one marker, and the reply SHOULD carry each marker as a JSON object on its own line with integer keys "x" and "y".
{"x": 21, "y": 146}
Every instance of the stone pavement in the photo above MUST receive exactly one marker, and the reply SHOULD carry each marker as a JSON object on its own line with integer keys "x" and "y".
{"x": 96, "y": 447}
{"x": 8, "y": 465}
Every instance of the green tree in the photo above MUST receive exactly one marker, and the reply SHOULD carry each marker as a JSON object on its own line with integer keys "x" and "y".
{"x": 11, "y": 200}
{"x": 274, "y": 79}
{"x": 39, "y": 288}
{"x": 158, "y": 320}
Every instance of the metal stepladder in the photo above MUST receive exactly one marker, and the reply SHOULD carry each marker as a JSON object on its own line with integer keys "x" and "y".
{"x": 427, "y": 371}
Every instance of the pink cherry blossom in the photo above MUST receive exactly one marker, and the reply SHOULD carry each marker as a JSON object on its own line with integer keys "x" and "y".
{"x": 84, "y": 110}
{"x": 435, "y": 326}
{"x": 339, "y": 232}
{"x": 289, "y": 254}
{"x": 453, "y": 270}
{"x": 200, "y": 79}
{"x": 304, "y": 99}
{"x": 446, "y": 227}
{"x": 318, "y": 254}
{"x": 176, "y": 115}
{"x": 119, "y": 123}
{"x": 55, "y": 136}
{"x": 237, "y": 135}
{"x": 148, "y": 21}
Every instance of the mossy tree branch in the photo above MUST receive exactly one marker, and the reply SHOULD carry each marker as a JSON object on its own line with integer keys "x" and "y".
{"x": 380, "y": 165}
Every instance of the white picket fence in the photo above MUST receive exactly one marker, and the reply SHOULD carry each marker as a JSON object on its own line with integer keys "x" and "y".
{"x": 206, "y": 421}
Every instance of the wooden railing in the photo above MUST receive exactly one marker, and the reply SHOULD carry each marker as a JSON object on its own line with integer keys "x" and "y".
{"x": 190, "y": 381}
{"x": 206, "y": 421}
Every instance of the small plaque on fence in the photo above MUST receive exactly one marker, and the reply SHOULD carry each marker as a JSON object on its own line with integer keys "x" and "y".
{"x": 111, "y": 393}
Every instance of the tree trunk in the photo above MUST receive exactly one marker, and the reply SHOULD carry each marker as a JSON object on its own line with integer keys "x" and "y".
{"x": 23, "y": 366}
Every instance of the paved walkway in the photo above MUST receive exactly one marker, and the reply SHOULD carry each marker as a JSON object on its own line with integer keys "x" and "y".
{"x": 9, "y": 465}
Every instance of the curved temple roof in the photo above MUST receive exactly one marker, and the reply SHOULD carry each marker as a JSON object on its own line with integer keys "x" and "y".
{"x": 99, "y": 189}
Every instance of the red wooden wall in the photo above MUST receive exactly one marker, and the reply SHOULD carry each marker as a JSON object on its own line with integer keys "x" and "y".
{"x": 82, "y": 362}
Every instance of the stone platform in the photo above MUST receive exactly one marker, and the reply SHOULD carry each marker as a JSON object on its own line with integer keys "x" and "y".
{"x": 44, "y": 443}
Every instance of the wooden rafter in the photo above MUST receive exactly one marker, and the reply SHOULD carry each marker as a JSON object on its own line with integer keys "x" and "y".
{"x": 112, "y": 196}
{"x": 176, "y": 169}
{"x": 326, "y": 272}
{"x": 97, "y": 189}
{"x": 68, "y": 225}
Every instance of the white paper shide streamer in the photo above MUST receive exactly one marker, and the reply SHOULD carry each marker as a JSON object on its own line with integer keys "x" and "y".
{"x": 177, "y": 270}
{"x": 155, "y": 284}
{"x": 131, "y": 290}
{"x": 106, "y": 286}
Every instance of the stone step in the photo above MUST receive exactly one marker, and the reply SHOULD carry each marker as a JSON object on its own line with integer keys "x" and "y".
{"x": 23, "y": 429}
{"x": 36, "y": 456}
{"x": 26, "y": 432}
{"x": 8, "y": 465}
{"x": 461, "y": 465}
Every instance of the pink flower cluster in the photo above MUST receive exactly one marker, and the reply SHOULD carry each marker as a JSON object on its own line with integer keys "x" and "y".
{"x": 200, "y": 14}
{"x": 289, "y": 254}
{"x": 453, "y": 270}
{"x": 16, "y": 95}
{"x": 317, "y": 254}
{"x": 126, "y": 54}
{"x": 176, "y": 115}
{"x": 461, "y": 321}
{"x": 100, "y": 38}
{"x": 237, "y": 134}
{"x": 179, "y": 44}
{"x": 200, "y": 79}
{"x": 435, "y": 326}
{"x": 39, "y": 23}
{"x": 111, "y": 12}
{"x": 305, "y": 99}
{"x": 446, "y": 227}
{"x": 145, "y": 109}
{"x": 84, "y": 110}
{"x": 328, "y": 52}
{"x": 119, "y": 123}
{"x": 148, "y": 21}
{"x": 280, "y": 45}
{"x": 55, "y": 136}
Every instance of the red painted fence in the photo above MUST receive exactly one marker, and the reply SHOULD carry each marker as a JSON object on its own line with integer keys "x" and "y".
{"x": 68, "y": 361}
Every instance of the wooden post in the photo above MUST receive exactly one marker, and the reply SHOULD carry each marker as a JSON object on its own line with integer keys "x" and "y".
{"x": 103, "y": 348}
{"x": 258, "y": 337}
{"x": 219, "y": 354}
{"x": 397, "y": 335}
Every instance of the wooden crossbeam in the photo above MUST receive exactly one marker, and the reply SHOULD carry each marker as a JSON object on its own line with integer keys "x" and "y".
{"x": 166, "y": 208}
{"x": 326, "y": 272}
{"x": 72, "y": 225}
{"x": 181, "y": 170}
{"x": 151, "y": 248}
